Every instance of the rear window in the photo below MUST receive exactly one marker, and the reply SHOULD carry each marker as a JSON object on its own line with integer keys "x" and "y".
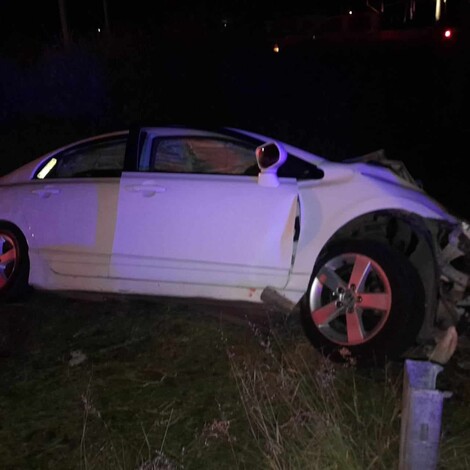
{"x": 95, "y": 159}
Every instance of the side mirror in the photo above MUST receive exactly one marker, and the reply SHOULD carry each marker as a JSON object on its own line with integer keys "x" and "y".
{"x": 270, "y": 156}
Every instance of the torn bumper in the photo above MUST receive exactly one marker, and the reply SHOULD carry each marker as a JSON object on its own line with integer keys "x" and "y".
{"x": 454, "y": 263}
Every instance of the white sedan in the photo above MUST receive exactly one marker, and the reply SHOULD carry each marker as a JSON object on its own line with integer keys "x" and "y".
{"x": 370, "y": 260}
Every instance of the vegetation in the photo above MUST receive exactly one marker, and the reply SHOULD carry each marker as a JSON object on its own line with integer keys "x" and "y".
{"x": 134, "y": 383}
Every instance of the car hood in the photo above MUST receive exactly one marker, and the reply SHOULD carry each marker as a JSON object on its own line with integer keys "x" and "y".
{"x": 399, "y": 176}
{"x": 377, "y": 162}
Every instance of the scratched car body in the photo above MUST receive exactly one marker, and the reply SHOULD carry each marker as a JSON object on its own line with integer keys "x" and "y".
{"x": 369, "y": 259}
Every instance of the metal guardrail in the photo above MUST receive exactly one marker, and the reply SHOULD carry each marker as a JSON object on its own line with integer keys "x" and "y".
{"x": 421, "y": 416}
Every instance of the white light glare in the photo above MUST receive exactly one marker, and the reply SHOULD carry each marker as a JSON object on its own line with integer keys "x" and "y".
{"x": 46, "y": 170}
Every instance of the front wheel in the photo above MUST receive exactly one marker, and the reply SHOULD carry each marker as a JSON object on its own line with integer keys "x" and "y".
{"x": 364, "y": 300}
{"x": 14, "y": 263}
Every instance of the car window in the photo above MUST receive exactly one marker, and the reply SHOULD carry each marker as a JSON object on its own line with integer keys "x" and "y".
{"x": 202, "y": 155}
{"x": 92, "y": 160}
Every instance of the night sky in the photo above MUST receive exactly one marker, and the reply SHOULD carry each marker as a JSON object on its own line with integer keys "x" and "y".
{"x": 40, "y": 19}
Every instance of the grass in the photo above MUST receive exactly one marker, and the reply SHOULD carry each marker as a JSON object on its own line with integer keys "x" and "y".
{"x": 306, "y": 412}
{"x": 162, "y": 384}
{"x": 152, "y": 380}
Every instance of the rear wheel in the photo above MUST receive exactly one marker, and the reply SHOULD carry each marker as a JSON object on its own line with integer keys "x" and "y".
{"x": 14, "y": 263}
{"x": 364, "y": 300}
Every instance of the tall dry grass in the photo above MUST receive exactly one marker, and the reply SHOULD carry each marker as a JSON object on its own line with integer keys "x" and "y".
{"x": 305, "y": 412}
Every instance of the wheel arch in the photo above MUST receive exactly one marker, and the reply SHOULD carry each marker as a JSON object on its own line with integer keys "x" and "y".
{"x": 409, "y": 234}
{"x": 17, "y": 230}
{"x": 324, "y": 217}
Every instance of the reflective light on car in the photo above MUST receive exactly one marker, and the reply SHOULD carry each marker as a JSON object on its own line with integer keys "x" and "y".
{"x": 276, "y": 48}
{"x": 46, "y": 170}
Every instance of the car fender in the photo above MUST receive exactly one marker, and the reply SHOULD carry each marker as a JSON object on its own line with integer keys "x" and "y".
{"x": 321, "y": 219}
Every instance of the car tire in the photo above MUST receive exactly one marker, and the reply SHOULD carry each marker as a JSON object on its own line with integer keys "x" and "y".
{"x": 14, "y": 263}
{"x": 365, "y": 301}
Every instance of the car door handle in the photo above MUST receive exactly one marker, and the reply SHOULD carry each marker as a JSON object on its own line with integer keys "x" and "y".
{"x": 146, "y": 189}
{"x": 45, "y": 192}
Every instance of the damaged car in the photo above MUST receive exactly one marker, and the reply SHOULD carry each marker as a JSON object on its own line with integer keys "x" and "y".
{"x": 369, "y": 260}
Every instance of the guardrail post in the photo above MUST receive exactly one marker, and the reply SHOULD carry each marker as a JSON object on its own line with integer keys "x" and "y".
{"x": 421, "y": 416}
